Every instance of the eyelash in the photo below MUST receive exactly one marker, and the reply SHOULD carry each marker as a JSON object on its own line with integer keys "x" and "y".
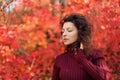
{"x": 68, "y": 31}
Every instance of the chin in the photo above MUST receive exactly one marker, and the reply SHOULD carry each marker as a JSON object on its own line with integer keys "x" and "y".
{"x": 66, "y": 44}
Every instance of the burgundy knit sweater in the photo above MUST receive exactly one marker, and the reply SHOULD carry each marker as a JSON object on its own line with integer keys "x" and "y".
{"x": 69, "y": 66}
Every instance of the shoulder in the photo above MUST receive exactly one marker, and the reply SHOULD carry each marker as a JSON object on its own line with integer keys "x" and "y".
{"x": 60, "y": 57}
{"x": 97, "y": 53}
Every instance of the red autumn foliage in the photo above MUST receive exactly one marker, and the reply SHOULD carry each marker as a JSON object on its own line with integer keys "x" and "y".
{"x": 29, "y": 45}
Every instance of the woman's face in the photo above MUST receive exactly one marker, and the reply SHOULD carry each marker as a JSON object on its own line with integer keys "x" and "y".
{"x": 69, "y": 33}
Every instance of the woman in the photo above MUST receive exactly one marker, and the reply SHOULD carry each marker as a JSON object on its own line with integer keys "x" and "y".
{"x": 77, "y": 62}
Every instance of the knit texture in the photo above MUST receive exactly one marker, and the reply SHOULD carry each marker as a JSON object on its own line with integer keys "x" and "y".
{"x": 70, "y": 66}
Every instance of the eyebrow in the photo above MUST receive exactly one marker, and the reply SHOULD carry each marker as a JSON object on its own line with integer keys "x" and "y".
{"x": 67, "y": 28}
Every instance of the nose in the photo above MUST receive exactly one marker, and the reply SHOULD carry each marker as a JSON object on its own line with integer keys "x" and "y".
{"x": 64, "y": 34}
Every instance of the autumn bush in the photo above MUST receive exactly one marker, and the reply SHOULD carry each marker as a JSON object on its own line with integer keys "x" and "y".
{"x": 30, "y": 40}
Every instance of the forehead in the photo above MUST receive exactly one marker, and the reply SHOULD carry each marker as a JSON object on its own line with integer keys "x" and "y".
{"x": 68, "y": 25}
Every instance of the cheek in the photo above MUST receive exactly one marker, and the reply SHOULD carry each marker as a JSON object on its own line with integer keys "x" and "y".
{"x": 74, "y": 37}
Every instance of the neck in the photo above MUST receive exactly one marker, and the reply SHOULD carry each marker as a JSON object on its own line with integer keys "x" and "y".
{"x": 73, "y": 47}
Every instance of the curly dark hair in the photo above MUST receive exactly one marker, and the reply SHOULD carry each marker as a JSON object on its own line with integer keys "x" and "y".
{"x": 84, "y": 31}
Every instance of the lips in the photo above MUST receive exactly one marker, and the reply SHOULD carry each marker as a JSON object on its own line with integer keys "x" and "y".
{"x": 65, "y": 39}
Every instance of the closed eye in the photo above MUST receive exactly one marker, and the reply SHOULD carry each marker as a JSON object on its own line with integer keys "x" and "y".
{"x": 62, "y": 31}
{"x": 69, "y": 30}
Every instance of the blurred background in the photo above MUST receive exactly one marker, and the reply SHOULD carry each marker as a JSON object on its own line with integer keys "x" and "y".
{"x": 30, "y": 35}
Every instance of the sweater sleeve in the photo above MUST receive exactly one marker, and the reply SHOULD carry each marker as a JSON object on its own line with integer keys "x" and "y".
{"x": 99, "y": 70}
{"x": 55, "y": 74}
